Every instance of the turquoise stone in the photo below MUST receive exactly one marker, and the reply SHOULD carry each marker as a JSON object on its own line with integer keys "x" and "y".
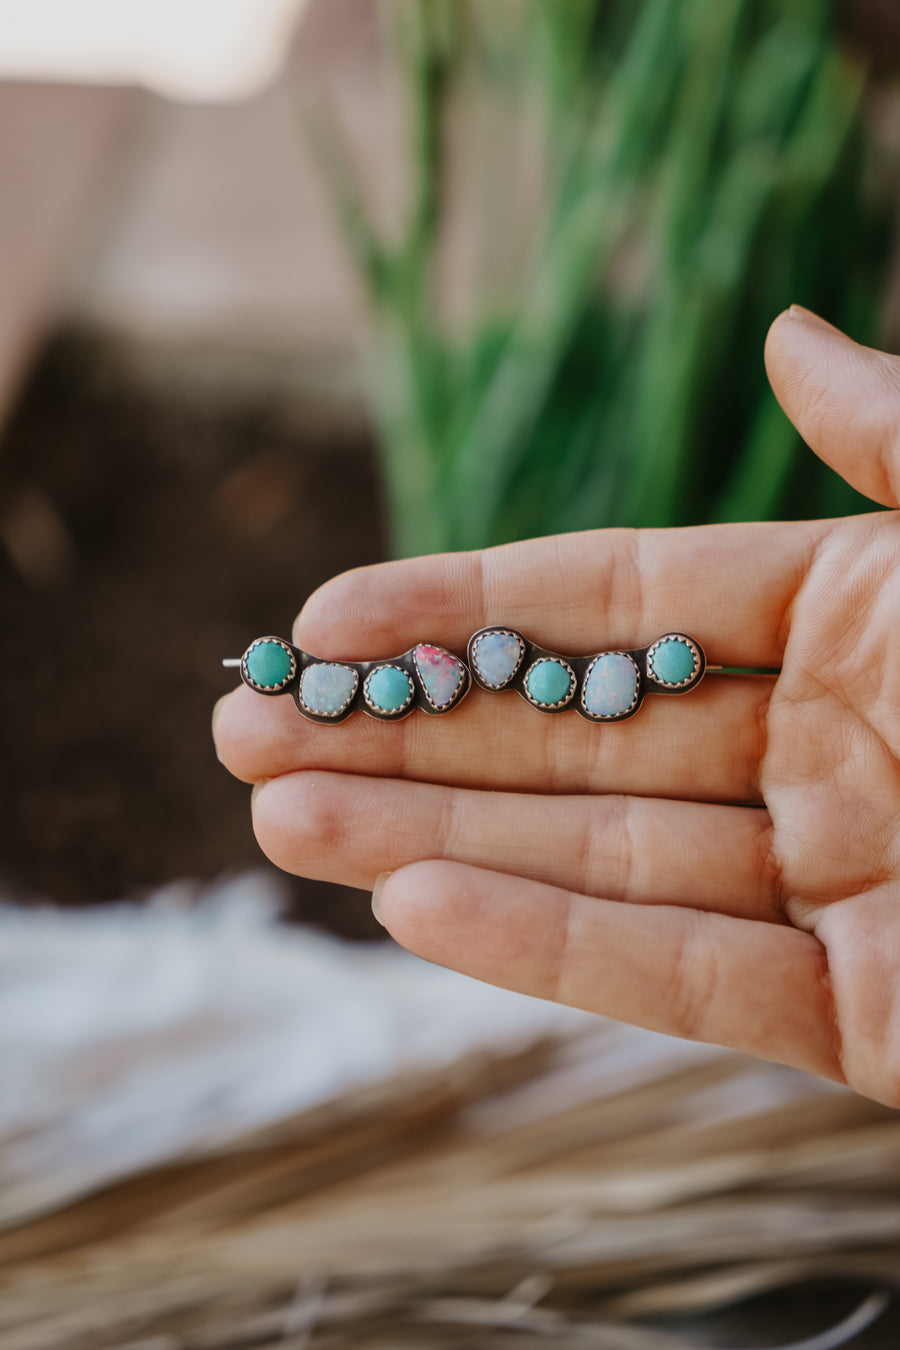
{"x": 326, "y": 689}
{"x": 548, "y": 682}
{"x": 389, "y": 689}
{"x": 611, "y": 686}
{"x": 672, "y": 662}
{"x": 440, "y": 672}
{"x": 496, "y": 658}
{"x": 268, "y": 664}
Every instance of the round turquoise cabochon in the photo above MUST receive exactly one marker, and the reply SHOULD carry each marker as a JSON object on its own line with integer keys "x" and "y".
{"x": 269, "y": 664}
{"x": 548, "y": 682}
{"x": 389, "y": 689}
{"x": 672, "y": 662}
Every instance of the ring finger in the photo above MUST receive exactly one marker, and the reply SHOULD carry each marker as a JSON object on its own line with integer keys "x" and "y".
{"x": 344, "y": 828}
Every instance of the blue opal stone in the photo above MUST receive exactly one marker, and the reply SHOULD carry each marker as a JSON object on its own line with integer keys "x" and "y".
{"x": 389, "y": 689}
{"x": 672, "y": 662}
{"x": 440, "y": 672}
{"x": 611, "y": 685}
{"x": 326, "y": 689}
{"x": 269, "y": 664}
{"x": 496, "y": 658}
{"x": 548, "y": 682}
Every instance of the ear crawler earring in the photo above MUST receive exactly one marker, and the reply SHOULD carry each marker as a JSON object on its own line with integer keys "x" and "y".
{"x": 425, "y": 677}
{"x": 608, "y": 686}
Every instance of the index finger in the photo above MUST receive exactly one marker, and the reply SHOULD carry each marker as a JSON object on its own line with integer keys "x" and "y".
{"x": 728, "y": 586}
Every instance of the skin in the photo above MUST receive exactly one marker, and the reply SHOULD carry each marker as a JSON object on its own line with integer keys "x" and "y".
{"x": 723, "y": 867}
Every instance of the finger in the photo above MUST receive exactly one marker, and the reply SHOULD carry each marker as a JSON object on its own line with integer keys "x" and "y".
{"x": 727, "y": 586}
{"x": 862, "y": 937}
{"x": 348, "y": 829}
{"x": 757, "y": 987}
{"x": 701, "y": 746}
{"x": 844, "y": 400}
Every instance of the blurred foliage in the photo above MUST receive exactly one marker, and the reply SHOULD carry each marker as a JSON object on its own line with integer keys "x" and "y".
{"x": 700, "y": 166}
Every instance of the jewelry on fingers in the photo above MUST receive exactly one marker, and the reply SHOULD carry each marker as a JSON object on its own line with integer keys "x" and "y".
{"x": 425, "y": 677}
{"x": 608, "y": 686}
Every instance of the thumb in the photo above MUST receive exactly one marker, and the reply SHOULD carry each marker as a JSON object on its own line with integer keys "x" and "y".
{"x": 844, "y": 400}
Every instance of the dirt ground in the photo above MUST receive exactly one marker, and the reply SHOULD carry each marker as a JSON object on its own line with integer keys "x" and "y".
{"x": 143, "y": 540}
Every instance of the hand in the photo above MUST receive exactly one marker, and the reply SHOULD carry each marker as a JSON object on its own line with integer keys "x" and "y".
{"x": 724, "y": 866}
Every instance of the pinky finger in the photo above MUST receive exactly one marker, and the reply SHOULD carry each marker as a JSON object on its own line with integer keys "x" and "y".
{"x": 757, "y": 987}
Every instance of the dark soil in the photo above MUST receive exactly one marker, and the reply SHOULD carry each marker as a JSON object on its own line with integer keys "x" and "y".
{"x": 144, "y": 541}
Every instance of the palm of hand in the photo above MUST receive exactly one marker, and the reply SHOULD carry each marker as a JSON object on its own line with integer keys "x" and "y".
{"x": 830, "y": 777}
{"x": 725, "y": 866}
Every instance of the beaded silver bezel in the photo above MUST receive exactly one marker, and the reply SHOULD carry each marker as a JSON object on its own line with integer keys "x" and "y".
{"x": 268, "y": 688}
{"x": 685, "y": 641}
{"x": 616, "y": 716}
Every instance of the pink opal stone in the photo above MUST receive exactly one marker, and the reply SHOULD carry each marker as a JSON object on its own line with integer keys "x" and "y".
{"x": 440, "y": 672}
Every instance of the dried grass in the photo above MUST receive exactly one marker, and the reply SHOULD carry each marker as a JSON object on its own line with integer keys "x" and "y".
{"x": 499, "y": 1200}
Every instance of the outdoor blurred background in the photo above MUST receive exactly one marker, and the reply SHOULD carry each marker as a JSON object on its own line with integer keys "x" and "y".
{"x": 288, "y": 286}
{"x": 292, "y": 287}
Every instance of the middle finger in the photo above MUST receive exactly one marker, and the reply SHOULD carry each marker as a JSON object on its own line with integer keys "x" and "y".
{"x": 702, "y": 746}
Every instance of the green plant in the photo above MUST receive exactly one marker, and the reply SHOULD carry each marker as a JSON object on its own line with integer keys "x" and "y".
{"x": 700, "y": 169}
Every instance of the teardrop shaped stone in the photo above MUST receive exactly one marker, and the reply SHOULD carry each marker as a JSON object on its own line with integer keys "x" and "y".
{"x": 440, "y": 672}
{"x": 611, "y": 686}
{"x": 327, "y": 688}
{"x": 496, "y": 657}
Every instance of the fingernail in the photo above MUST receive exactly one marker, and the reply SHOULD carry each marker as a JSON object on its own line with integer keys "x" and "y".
{"x": 807, "y": 316}
{"x": 257, "y": 789}
{"x": 376, "y": 894}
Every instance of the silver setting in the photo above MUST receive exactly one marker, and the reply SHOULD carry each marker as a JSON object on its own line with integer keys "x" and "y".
{"x": 556, "y": 661}
{"x": 503, "y": 632}
{"x": 268, "y": 688}
{"x": 617, "y": 716}
{"x": 338, "y": 665}
{"x": 460, "y": 677}
{"x": 685, "y": 641}
{"x": 388, "y": 712}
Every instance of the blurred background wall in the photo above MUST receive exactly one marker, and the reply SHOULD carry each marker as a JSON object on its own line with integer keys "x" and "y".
{"x": 185, "y": 451}
{"x": 288, "y": 289}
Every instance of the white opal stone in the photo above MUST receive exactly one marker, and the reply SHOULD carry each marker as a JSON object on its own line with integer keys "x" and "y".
{"x": 496, "y": 657}
{"x": 611, "y": 685}
{"x": 326, "y": 688}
